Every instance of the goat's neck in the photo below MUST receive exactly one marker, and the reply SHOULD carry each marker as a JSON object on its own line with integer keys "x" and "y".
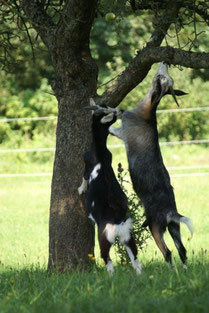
{"x": 146, "y": 108}
{"x": 100, "y": 141}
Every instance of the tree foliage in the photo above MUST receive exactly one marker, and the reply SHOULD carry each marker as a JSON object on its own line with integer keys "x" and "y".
{"x": 135, "y": 21}
{"x": 25, "y": 61}
{"x": 127, "y": 38}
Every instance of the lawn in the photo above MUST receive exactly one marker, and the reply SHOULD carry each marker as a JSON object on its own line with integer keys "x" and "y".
{"x": 25, "y": 285}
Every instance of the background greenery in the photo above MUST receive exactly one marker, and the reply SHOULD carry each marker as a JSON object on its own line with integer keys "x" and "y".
{"x": 25, "y": 91}
{"x": 25, "y": 285}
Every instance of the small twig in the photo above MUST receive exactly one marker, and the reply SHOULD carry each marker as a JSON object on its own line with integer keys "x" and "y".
{"x": 177, "y": 36}
{"x": 166, "y": 41}
{"x": 26, "y": 28}
{"x": 109, "y": 81}
{"x": 195, "y": 26}
{"x": 49, "y": 93}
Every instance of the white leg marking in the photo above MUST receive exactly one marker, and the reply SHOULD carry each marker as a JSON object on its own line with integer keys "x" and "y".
{"x": 110, "y": 232}
{"x": 95, "y": 172}
{"x": 109, "y": 267}
{"x": 121, "y": 230}
{"x": 83, "y": 187}
{"x": 135, "y": 263}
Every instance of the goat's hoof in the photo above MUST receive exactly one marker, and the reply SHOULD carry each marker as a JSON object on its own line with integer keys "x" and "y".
{"x": 83, "y": 187}
{"x": 80, "y": 190}
{"x": 138, "y": 267}
{"x": 110, "y": 268}
{"x": 185, "y": 267}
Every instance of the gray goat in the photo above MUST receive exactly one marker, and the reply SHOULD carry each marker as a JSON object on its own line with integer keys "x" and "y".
{"x": 149, "y": 175}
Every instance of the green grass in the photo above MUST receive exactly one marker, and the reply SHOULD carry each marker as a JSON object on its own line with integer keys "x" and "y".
{"x": 25, "y": 285}
{"x": 157, "y": 289}
{"x": 24, "y": 220}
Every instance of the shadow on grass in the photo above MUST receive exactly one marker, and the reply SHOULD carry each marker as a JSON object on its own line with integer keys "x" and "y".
{"x": 157, "y": 289}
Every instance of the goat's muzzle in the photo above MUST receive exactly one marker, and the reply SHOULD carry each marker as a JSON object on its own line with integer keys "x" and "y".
{"x": 166, "y": 83}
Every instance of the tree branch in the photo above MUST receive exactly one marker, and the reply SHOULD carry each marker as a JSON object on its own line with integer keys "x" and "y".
{"x": 163, "y": 23}
{"x": 76, "y": 21}
{"x": 149, "y": 5}
{"x": 140, "y": 66}
{"x": 40, "y": 20}
{"x": 203, "y": 14}
{"x": 163, "y": 4}
{"x": 197, "y": 60}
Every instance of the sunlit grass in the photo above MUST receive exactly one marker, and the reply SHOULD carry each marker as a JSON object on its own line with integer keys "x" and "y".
{"x": 25, "y": 206}
{"x": 25, "y": 285}
{"x": 157, "y": 289}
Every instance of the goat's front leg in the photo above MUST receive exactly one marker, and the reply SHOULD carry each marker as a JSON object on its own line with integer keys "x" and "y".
{"x": 116, "y": 132}
{"x": 83, "y": 187}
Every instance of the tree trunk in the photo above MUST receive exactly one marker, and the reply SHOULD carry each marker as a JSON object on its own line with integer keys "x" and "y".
{"x": 71, "y": 233}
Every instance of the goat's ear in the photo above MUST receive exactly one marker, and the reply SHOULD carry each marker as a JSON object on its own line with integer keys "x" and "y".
{"x": 180, "y": 92}
{"x": 174, "y": 93}
{"x": 177, "y": 92}
{"x": 107, "y": 118}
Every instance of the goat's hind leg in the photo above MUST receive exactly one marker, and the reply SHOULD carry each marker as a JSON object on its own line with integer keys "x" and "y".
{"x": 131, "y": 249}
{"x": 105, "y": 246}
{"x": 174, "y": 230}
{"x": 157, "y": 233}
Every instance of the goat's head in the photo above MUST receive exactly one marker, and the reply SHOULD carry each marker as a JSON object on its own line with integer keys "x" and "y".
{"x": 162, "y": 85}
{"x": 103, "y": 114}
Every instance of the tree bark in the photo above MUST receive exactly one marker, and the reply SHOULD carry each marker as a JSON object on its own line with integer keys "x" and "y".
{"x": 70, "y": 231}
{"x": 71, "y": 234}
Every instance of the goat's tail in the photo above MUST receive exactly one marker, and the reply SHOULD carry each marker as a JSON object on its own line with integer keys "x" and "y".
{"x": 178, "y": 218}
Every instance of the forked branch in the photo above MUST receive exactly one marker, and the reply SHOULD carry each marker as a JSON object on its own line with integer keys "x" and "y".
{"x": 140, "y": 66}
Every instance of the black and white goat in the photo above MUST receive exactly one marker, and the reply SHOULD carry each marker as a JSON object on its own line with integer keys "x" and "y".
{"x": 107, "y": 205}
{"x": 149, "y": 176}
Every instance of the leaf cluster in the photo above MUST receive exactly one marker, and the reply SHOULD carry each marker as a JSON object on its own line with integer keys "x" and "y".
{"x": 27, "y": 103}
{"x": 140, "y": 233}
